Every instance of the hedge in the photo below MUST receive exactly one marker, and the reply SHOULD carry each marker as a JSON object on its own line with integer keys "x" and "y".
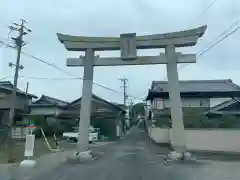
{"x": 196, "y": 118}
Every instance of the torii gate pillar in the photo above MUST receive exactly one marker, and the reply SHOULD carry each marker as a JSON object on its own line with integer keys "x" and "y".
{"x": 86, "y": 101}
{"x": 177, "y": 135}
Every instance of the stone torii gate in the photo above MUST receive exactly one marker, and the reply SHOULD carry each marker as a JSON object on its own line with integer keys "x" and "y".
{"x": 128, "y": 45}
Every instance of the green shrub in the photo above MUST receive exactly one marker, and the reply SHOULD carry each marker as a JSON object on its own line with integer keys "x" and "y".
{"x": 196, "y": 118}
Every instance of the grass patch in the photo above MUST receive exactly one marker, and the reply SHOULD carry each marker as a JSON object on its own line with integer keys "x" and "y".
{"x": 40, "y": 148}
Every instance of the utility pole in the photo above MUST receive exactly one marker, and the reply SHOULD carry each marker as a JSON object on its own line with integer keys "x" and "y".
{"x": 131, "y": 103}
{"x": 125, "y": 97}
{"x": 18, "y": 41}
{"x": 124, "y": 86}
{"x": 27, "y": 102}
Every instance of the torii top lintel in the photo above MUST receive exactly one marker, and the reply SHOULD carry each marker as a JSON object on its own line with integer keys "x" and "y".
{"x": 178, "y": 39}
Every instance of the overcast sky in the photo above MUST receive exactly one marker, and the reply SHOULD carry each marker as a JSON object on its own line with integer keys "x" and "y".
{"x": 110, "y": 18}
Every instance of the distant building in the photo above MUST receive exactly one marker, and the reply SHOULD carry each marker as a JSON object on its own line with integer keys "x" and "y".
{"x": 194, "y": 93}
{"x": 199, "y": 98}
{"x": 47, "y": 106}
{"x": 22, "y": 100}
{"x": 106, "y": 116}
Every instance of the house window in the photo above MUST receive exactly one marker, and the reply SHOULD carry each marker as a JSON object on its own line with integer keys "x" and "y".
{"x": 1, "y": 118}
{"x": 158, "y": 104}
{"x": 149, "y": 115}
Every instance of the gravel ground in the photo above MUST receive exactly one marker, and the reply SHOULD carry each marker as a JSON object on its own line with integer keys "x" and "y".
{"x": 136, "y": 158}
{"x": 133, "y": 158}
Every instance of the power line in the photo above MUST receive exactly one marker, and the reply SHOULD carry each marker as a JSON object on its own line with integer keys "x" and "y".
{"x": 6, "y": 77}
{"x": 213, "y": 45}
{"x": 205, "y": 10}
{"x": 54, "y": 79}
{"x": 219, "y": 36}
{"x": 76, "y": 78}
{"x": 216, "y": 42}
{"x": 200, "y": 15}
{"x": 62, "y": 70}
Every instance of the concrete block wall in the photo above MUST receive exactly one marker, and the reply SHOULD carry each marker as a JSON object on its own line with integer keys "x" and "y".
{"x": 216, "y": 140}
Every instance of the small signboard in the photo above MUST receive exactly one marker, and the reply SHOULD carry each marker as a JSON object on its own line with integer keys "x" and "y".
{"x": 31, "y": 126}
{"x": 128, "y": 46}
{"x": 29, "y": 145}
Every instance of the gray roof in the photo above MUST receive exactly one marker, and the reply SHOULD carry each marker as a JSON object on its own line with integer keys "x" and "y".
{"x": 7, "y": 86}
{"x": 49, "y": 101}
{"x": 198, "y": 86}
{"x": 223, "y": 105}
{"x": 95, "y": 98}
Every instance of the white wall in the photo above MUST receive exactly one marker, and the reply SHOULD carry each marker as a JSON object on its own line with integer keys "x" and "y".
{"x": 213, "y": 140}
{"x": 5, "y": 101}
{"x": 186, "y": 102}
{"x": 189, "y": 102}
{"x": 159, "y": 135}
{"x": 216, "y": 101}
{"x": 203, "y": 140}
{"x": 45, "y": 110}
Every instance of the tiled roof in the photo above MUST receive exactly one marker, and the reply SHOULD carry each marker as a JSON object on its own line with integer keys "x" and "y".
{"x": 223, "y": 105}
{"x": 198, "y": 86}
{"x": 95, "y": 97}
{"x": 49, "y": 101}
{"x": 7, "y": 86}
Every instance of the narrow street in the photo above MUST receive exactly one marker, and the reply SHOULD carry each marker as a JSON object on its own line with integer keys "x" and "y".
{"x": 137, "y": 158}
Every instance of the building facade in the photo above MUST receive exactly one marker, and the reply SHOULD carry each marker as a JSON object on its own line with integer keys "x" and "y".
{"x": 198, "y": 96}
{"x": 194, "y": 93}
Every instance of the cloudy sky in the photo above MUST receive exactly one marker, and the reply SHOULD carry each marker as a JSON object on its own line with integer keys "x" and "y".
{"x": 110, "y": 18}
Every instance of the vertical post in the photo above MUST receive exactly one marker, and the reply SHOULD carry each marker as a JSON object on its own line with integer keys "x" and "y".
{"x": 118, "y": 125}
{"x": 10, "y": 142}
{"x": 178, "y": 137}
{"x": 14, "y": 89}
{"x": 86, "y": 101}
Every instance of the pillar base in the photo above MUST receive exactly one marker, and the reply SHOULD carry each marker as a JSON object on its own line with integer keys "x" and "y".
{"x": 28, "y": 163}
{"x": 80, "y": 157}
{"x": 179, "y": 157}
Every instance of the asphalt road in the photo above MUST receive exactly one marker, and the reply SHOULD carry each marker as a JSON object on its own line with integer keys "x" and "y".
{"x": 137, "y": 158}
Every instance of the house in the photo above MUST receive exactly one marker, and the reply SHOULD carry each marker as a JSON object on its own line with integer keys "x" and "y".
{"x": 194, "y": 93}
{"x": 47, "y": 106}
{"x": 225, "y": 115}
{"x": 229, "y": 107}
{"x": 22, "y": 99}
{"x": 197, "y": 96}
{"x": 45, "y": 111}
{"x": 106, "y": 116}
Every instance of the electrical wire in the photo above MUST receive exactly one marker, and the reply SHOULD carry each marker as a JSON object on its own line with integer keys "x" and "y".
{"x": 213, "y": 45}
{"x": 66, "y": 72}
{"x": 200, "y": 15}
{"x": 47, "y": 78}
{"x": 6, "y": 77}
{"x": 77, "y": 78}
{"x": 216, "y": 42}
{"x": 205, "y": 10}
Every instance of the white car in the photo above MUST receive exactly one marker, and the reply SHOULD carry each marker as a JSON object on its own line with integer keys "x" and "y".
{"x": 93, "y": 135}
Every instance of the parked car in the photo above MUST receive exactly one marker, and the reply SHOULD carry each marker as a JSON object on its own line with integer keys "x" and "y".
{"x": 73, "y": 136}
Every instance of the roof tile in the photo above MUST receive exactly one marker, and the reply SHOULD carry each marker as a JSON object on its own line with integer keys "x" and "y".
{"x": 198, "y": 86}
